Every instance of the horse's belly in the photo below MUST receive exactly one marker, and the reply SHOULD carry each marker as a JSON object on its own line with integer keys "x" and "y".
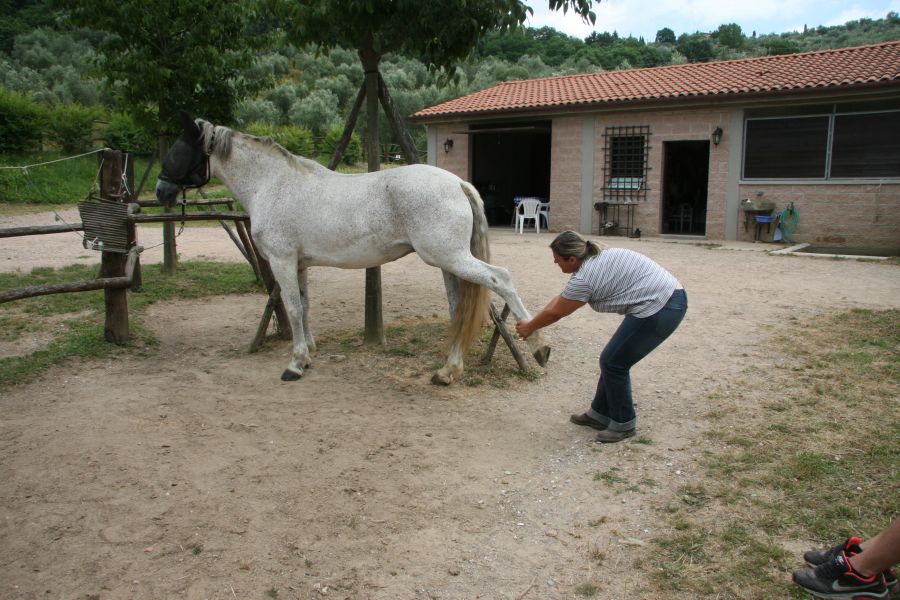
{"x": 357, "y": 256}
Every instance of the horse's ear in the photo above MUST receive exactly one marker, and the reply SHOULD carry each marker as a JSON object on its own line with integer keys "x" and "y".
{"x": 190, "y": 127}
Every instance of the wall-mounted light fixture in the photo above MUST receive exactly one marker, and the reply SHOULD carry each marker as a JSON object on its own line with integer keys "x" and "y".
{"x": 717, "y": 136}
{"x": 448, "y": 145}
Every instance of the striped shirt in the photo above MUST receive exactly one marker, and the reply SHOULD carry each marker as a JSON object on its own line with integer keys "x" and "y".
{"x": 621, "y": 281}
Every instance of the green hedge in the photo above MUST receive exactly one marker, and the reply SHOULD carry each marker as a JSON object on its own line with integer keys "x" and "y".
{"x": 71, "y": 127}
{"x": 294, "y": 138}
{"x": 22, "y": 123}
{"x": 123, "y": 133}
{"x": 352, "y": 154}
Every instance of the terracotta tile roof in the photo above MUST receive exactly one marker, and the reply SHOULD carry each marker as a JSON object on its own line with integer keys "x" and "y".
{"x": 838, "y": 69}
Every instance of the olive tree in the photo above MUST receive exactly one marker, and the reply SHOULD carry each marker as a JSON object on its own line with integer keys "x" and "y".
{"x": 162, "y": 57}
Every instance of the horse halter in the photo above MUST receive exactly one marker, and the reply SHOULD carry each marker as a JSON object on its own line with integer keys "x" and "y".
{"x": 196, "y": 176}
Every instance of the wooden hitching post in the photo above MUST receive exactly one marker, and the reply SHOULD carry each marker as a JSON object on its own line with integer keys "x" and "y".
{"x": 374, "y": 321}
{"x": 115, "y": 170}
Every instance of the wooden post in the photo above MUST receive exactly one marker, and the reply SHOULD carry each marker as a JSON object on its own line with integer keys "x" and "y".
{"x": 170, "y": 253}
{"x": 396, "y": 123}
{"x": 374, "y": 327}
{"x": 341, "y": 146}
{"x": 116, "y": 179}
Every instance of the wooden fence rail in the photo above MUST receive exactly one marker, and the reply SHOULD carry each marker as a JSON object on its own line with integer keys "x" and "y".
{"x": 102, "y": 283}
{"x": 40, "y": 230}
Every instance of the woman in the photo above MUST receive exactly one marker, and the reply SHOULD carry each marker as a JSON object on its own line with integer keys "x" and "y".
{"x": 625, "y": 282}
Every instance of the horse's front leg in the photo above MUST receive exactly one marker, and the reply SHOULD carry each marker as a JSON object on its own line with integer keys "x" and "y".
{"x": 286, "y": 273}
{"x": 303, "y": 283}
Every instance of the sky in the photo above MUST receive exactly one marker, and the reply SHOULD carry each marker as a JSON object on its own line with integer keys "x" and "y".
{"x": 643, "y": 18}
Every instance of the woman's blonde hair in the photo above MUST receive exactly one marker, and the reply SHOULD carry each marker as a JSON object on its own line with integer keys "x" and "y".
{"x": 569, "y": 243}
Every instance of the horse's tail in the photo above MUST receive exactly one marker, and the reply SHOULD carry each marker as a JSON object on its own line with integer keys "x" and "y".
{"x": 472, "y": 305}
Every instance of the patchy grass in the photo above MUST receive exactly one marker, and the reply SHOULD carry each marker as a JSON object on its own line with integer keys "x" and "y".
{"x": 610, "y": 476}
{"x": 74, "y": 322}
{"x": 418, "y": 346}
{"x": 812, "y": 459}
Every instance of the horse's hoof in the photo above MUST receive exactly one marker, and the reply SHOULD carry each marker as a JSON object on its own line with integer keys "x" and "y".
{"x": 438, "y": 379}
{"x": 289, "y": 375}
{"x": 542, "y": 355}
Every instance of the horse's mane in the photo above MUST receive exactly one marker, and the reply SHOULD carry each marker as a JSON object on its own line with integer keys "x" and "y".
{"x": 217, "y": 140}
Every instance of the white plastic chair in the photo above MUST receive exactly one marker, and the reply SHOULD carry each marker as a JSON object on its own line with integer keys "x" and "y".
{"x": 528, "y": 210}
{"x": 544, "y": 212}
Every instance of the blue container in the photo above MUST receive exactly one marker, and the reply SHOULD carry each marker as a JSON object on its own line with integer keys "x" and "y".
{"x": 765, "y": 218}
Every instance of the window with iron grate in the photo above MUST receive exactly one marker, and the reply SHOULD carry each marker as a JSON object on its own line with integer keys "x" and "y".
{"x": 626, "y": 164}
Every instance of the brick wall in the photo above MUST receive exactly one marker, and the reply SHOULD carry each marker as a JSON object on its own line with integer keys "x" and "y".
{"x": 457, "y": 160}
{"x": 861, "y": 215}
{"x": 565, "y": 173}
{"x": 851, "y": 215}
{"x": 670, "y": 126}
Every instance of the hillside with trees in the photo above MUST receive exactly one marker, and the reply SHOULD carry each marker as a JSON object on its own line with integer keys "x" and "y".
{"x": 51, "y": 71}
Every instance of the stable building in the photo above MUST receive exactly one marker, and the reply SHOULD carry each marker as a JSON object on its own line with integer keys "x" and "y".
{"x": 694, "y": 150}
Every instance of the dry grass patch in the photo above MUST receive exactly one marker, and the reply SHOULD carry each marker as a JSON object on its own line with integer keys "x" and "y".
{"x": 416, "y": 347}
{"x": 811, "y": 458}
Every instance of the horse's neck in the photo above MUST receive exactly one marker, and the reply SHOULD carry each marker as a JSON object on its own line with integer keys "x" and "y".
{"x": 248, "y": 169}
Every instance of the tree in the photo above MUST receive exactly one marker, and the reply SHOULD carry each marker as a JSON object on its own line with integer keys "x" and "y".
{"x": 777, "y": 45}
{"x": 696, "y": 47}
{"x": 730, "y": 35}
{"x": 665, "y": 36}
{"x": 169, "y": 56}
{"x": 438, "y": 32}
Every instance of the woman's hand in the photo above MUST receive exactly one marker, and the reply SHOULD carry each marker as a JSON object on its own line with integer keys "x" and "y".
{"x": 558, "y": 308}
{"x": 524, "y": 328}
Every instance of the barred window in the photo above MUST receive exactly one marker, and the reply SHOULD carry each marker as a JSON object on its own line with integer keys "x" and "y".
{"x": 626, "y": 164}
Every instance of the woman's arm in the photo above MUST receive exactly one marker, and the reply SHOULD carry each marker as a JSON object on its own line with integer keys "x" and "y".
{"x": 555, "y": 310}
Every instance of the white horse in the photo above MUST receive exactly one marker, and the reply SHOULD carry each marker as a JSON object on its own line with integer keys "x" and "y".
{"x": 305, "y": 215}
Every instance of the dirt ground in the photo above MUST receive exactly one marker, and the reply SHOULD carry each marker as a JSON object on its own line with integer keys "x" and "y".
{"x": 194, "y": 472}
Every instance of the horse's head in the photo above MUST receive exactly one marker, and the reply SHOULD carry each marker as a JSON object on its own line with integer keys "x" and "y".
{"x": 185, "y": 166}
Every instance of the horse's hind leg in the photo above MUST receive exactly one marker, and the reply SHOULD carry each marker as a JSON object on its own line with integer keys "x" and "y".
{"x": 286, "y": 273}
{"x": 498, "y": 280}
{"x": 451, "y": 284}
{"x": 454, "y": 365}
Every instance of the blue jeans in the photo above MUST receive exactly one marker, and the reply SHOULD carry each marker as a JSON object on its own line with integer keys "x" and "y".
{"x": 633, "y": 340}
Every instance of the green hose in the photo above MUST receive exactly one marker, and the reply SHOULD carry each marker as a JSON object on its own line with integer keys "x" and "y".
{"x": 787, "y": 221}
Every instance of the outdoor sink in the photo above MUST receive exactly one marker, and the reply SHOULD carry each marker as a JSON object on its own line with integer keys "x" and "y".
{"x": 757, "y": 205}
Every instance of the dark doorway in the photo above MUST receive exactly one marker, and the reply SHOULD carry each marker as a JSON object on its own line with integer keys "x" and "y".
{"x": 509, "y": 160}
{"x": 685, "y": 184}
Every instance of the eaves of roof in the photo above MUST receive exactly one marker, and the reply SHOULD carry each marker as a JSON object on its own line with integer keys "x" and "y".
{"x": 859, "y": 68}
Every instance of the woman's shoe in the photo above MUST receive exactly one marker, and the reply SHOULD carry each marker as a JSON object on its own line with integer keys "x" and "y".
{"x": 608, "y": 436}
{"x": 587, "y": 421}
